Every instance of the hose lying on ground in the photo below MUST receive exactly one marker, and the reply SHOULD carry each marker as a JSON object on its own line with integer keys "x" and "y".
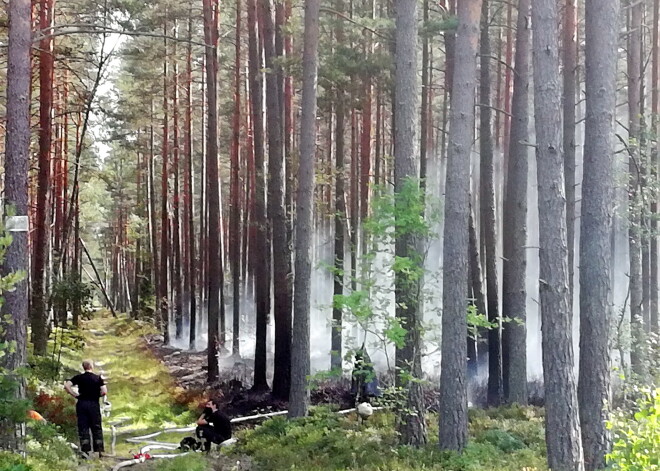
{"x": 152, "y": 444}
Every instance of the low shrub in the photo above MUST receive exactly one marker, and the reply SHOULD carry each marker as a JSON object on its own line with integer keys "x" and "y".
{"x": 326, "y": 441}
{"x": 502, "y": 440}
{"x": 58, "y": 409}
{"x": 636, "y": 435}
{"x": 47, "y": 449}
{"x": 12, "y": 462}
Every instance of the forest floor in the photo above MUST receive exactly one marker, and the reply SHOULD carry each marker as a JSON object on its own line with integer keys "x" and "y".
{"x": 157, "y": 387}
{"x": 140, "y": 388}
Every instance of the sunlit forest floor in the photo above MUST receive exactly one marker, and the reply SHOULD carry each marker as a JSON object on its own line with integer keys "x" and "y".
{"x": 146, "y": 397}
{"x": 142, "y": 391}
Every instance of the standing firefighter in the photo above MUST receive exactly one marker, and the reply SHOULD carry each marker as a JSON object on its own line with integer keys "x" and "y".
{"x": 90, "y": 389}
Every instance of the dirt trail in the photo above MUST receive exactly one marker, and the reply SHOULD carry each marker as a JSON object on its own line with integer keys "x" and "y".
{"x": 140, "y": 386}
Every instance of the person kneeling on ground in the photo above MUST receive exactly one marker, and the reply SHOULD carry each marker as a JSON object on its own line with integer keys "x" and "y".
{"x": 213, "y": 426}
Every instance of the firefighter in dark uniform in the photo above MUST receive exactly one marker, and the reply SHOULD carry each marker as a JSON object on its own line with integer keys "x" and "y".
{"x": 213, "y": 426}
{"x": 91, "y": 387}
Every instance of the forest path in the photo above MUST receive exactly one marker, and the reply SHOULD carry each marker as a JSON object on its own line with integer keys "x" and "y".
{"x": 140, "y": 387}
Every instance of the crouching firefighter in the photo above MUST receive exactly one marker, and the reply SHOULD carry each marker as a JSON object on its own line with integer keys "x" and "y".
{"x": 213, "y": 426}
{"x": 91, "y": 387}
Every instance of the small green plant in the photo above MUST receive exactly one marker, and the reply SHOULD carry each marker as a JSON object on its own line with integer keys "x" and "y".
{"x": 636, "y": 435}
{"x": 502, "y": 440}
{"x": 71, "y": 291}
{"x": 47, "y": 449}
{"x": 192, "y": 462}
{"x": 13, "y": 462}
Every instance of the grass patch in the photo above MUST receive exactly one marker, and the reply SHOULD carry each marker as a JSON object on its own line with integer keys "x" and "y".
{"x": 192, "y": 462}
{"x": 139, "y": 385}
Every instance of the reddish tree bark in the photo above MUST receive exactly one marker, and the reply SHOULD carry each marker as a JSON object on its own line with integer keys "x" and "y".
{"x": 40, "y": 245}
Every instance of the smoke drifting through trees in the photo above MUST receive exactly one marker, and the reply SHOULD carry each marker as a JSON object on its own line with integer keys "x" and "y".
{"x": 203, "y": 137}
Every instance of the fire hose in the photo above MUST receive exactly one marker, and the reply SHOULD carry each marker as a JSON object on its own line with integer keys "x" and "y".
{"x": 144, "y": 454}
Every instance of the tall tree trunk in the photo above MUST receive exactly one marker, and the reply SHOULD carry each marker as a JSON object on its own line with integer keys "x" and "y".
{"x": 261, "y": 250}
{"x": 215, "y": 272}
{"x": 163, "y": 278}
{"x": 177, "y": 281}
{"x": 637, "y": 355}
{"x": 488, "y": 222}
{"x": 597, "y": 203}
{"x": 569, "y": 45}
{"x": 300, "y": 366}
{"x": 203, "y": 202}
{"x": 406, "y": 178}
{"x": 508, "y": 78}
{"x": 453, "y": 386}
{"x": 426, "y": 92}
{"x": 365, "y": 153}
{"x": 340, "y": 232}
{"x": 562, "y": 424}
{"x": 40, "y": 246}
{"x": 282, "y": 283}
{"x": 475, "y": 282}
{"x": 235, "y": 216}
{"x": 17, "y": 154}
{"x": 655, "y": 162}
{"x": 76, "y": 307}
{"x": 135, "y": 292}
{"x": 514, "y": 295}
{"x": 153, "y": 237}
{"x": 450, "y": 51}
{"x": 190, "y": 192}
{"x": 336, "y": 353}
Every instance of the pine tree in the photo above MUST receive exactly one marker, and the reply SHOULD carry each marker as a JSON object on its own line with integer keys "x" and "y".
{"x": 596, "y": 225}
{"x": 514, "y": 296}
{"x": 562, "y": 424}
{"x": 453, "y": 385}
{"x": 17, "y": 152}
{"x": 300, "y": 367}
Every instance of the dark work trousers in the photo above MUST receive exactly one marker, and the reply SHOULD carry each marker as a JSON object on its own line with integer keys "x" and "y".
{"x": 208, "y": 435}
{"x": 89, "y": 418}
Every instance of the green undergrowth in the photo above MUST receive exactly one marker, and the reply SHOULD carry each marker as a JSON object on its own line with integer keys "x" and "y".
{"x": 46, "y": 450}
{"x": 500, "y": 440}
{"x": 196, "y": 462}
{"x": 636, "y": 435}
{"x": 140, "y": 388}
{"x": 139, "y": 385}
